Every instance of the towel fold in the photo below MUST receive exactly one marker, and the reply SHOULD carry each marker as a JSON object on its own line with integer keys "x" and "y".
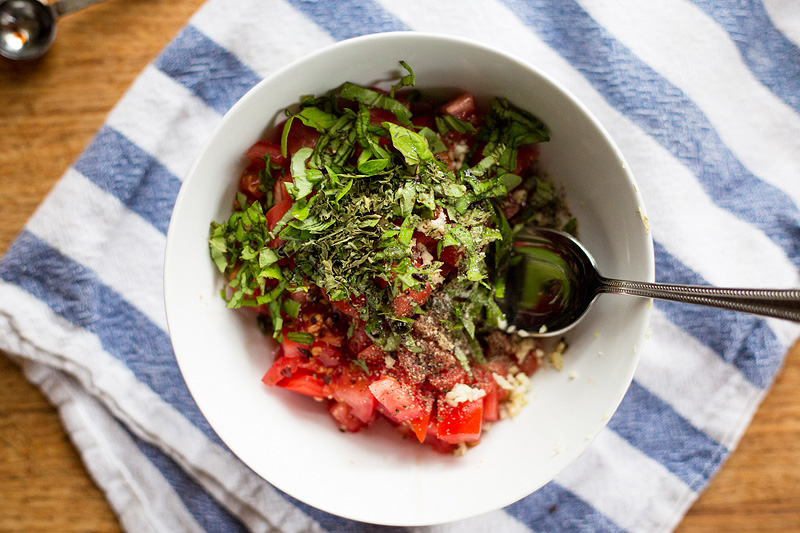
{"x": 702, "y": 97}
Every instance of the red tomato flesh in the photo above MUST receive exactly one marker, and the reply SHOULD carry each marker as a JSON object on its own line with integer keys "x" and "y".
{"x": 249, "y": 183}
{"x": 276, "y": 213}
{"x": 451, "y": 255}
{"x": 461, "y": 107}
{"x": 355, "y": 392}
{"x": 461, "y": 423}
{"x": 306, "y": 384}
{"x": 300, "y": 136}
{"x": 343, "y": 414}
{"x": 403, "y": 304}
{"x": 257, "y": 152}
{"x": 397, "y": 398}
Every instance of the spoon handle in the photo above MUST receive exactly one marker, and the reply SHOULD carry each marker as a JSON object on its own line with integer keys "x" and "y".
{"x": 65, "y": 7}
{"x": 765, "y": 302}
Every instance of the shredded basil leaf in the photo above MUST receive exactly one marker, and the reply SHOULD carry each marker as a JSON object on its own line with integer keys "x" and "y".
{"x": 301, "y": 337}
{"x": 366, "y": 198}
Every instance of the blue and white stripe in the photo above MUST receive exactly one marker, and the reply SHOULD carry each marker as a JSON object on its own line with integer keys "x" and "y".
{"x": 701, "y": 96}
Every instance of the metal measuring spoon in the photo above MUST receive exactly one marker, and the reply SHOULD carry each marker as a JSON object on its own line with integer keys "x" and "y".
{"x": 555, "y": 281}
{"x": 28, "y": 27}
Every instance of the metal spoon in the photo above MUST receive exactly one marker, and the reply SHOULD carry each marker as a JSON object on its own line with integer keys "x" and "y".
{"x": 28, "y": 27}
{"x": 554, "y": 280}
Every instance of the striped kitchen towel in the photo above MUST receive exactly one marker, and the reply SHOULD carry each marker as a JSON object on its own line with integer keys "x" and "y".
{"x": 703, "y": 98}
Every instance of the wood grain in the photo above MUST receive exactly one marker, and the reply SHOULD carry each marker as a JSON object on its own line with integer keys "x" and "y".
{"x": 52, "y": 108}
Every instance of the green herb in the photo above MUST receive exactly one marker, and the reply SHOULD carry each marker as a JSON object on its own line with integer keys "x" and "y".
{"x": 300, "y": 337}
{"x": 405, "y": 81}
{"x": 360, "y": 197}
{"x": 291, "y": 307}
{"x": 371, "y": 98}
{"x": 361, "y": 364}
{"x": 411, "y": 144}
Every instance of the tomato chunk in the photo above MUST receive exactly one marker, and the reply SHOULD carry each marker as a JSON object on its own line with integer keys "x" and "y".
{"x": 350, "y": 307}
{"x": 420, "y": 424}
{"x": 354, "y": 391}
{"x": 294, "y": 358}
{"x": 403, "y": 304}
{"x": 260, "y": 149}
{"x": 343, "y": 414}
{"x": 277, "y": 212}
{"x": 526, "y": 155}
{"x": 461, "y": 107}
{"x": 378, "y": 116}
{"x": 451, "y": 255}
{"x": 461, "y": 423}
{"x": 494, "y": 395}
{"x": 301, "y": 136}
{"x": 373, "y": 354}
{"x": 398, "y": 399}
{"x": 249, "y": 183}
{"x": 307, "y": 384}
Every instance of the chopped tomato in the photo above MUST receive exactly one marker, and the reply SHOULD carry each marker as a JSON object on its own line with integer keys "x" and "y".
{"x": 359, "y": 340}
{"x": 373, "y": 354}
{"x": 461, "y": 107}
{"x": 257, "y": 152}
{"x": 350, "y": 307}
{"x": 249, "y": 183}
{"x": 279, "y": 193}
{"x": 307, "y": 384}
{"x": 354, "y": 391}
{"x": 510, "y": 208}
{"x": 345, "y": 307}
{"x": 284, "y": 368}
{"x": 276, "y": 213}
{"x": 427, "y": 241}
{"x": 403, "y": 304}
{"x": 420, "y": 424}
{"x": 420, "y": 297}
{"x": 325, "y": 353}
{"x": 343, "y": 414}
{"x": 301, "y": 297}
{"x": 491, "y": 402}
{"x": 448, "y": 378}
{"x": 301, "y": 136}
{"x": 399, "y": 400}
{"x": 425, "y": 120}
{"x": 526, "y": 155}
{"x": 435, "y": 442}
{"x": 276, "y": 372}
{"x": 294, "y": 358}
{"x": 294, "y": 349}
{"x": 461, "y": 423}
{"x": 451, "y": 255}
{"x": 379, "y": 116}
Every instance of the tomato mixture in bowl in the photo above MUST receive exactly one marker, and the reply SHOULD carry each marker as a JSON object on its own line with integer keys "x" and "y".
{"x": 371, "y": 236}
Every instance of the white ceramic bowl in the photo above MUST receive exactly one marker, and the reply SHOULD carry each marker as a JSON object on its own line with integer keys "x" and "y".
{"x": 290, "y": 440}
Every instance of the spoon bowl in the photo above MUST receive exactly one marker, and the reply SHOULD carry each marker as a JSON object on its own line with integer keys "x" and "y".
{"x": 28, "y": 27}
{"x": 554, "y": 280}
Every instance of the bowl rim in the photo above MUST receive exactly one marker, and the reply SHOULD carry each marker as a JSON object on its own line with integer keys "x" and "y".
{"x": 341, "y": 47}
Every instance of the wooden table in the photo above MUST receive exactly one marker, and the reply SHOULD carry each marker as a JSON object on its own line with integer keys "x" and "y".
{"x": 51, "y": 109}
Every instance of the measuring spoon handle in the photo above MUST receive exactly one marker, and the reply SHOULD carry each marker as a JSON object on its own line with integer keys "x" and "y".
{"x": 765, "y": 302}
{"x": 65, "y": 7}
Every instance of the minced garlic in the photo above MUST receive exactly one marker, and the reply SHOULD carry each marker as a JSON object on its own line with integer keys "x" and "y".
{"x": 463, "y": 393}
